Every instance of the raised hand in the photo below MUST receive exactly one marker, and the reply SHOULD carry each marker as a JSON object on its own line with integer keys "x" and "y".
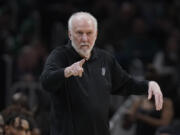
{"x": 155, "y": 90}
{"x": 75, "y": 69}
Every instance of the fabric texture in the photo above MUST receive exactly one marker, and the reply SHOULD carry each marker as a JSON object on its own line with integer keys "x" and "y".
{"x": 80, "y": 105}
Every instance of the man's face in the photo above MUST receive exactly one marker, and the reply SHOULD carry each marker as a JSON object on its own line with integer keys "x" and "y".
{"x": 19, "y": 127}
{"x": 83, "y": 35}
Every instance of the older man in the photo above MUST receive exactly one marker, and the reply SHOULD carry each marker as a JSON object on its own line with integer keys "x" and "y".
{"x": 81, "y": 78}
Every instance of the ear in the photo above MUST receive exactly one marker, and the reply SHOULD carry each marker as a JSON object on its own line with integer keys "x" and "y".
{"x": 96, "y": 34}
{"x": 70, "y": 35}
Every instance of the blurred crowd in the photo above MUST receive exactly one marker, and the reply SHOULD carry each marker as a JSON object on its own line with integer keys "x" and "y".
{"x": 144, "y": 36}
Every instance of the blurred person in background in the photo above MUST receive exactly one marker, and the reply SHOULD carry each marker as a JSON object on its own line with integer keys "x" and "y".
{"x": 172, "y": 129}
{"x": 139, "y": 45}
{"x": 19, "y": 121}
{"x": 146, "y": 117}
{"x": 27, "y": 63}
{"x": 18, "y": 126}
{"x": 80, "y": 80}
{"x": 143, "y": 114}
{"x": 29, "y": 95}
{"x": 1, "y": 125}
{"x": 166, "y": 64}
{"x": 166, "y": 61}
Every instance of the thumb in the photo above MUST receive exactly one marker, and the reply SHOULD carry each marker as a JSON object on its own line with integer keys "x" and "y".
{"x": 82, "y": 62}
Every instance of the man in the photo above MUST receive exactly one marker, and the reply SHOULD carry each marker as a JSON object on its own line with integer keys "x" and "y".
{"x": 81, "y": 78}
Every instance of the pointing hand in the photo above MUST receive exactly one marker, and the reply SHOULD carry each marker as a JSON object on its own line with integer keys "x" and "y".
{"x": 75, "y": 69}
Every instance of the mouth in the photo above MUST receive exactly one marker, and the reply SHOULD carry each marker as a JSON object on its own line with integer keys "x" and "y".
{"x": 85, "y": 46}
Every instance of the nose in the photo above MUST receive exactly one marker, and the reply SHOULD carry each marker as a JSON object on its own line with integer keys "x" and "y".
{"x": 84, "y": 37}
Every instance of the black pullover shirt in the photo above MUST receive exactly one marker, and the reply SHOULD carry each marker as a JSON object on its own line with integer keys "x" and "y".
{"x": 80, "y": 105}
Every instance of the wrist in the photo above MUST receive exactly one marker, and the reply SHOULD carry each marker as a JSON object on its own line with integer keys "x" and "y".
{"x": 67, "y": 72}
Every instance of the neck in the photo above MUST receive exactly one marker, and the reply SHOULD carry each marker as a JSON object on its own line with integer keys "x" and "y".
{"x": 87, "y": 57}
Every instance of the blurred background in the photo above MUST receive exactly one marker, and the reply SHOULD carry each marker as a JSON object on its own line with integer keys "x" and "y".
{"x": 144, "y": 36}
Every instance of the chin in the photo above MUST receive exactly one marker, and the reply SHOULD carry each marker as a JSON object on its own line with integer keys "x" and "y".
{"x": 84, "y": 53}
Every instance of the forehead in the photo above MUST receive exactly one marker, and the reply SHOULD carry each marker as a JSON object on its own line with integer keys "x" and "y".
{"x": 83, "y": 23}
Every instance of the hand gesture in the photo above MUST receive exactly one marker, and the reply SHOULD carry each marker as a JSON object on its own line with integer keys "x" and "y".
{"x": 75, "y": 69}
{"x": 155, "y": 90}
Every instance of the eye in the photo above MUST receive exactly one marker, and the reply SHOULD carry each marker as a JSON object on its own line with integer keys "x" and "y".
{"x": 79, "y": 33}
{"x": 89, "y": 33}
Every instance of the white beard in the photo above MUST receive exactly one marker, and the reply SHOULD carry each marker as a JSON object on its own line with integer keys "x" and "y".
{"x": 83, "y": 52}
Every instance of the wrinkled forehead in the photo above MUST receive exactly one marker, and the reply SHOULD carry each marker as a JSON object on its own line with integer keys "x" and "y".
{"x": 82, "y": 21}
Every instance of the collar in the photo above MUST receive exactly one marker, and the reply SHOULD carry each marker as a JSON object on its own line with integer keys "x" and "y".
{"x": 77, "y": 57}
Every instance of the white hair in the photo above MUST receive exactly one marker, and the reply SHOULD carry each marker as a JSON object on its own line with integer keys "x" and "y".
{"x": 81, "y": 14}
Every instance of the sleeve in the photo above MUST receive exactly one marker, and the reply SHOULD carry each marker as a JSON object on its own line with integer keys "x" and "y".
{"x": 125, "y": 84}
{"x": 52, "y": 77}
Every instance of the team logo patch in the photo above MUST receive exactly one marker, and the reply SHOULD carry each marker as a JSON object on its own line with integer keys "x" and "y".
{"x": 103, "y": 71}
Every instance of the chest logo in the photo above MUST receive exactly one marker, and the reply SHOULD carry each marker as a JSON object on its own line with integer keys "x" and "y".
{"x": 103, "y": 71}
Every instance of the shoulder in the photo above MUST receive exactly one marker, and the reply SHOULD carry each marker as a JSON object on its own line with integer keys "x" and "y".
{"x": 107, "y": 58}
{"x": 104, "y": 53}
{"x": 57, "y": 54}
{"x": 60, "y": 49}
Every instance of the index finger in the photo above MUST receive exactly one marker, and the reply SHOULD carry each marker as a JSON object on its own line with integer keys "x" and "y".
{"x": 82, "y": 62}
